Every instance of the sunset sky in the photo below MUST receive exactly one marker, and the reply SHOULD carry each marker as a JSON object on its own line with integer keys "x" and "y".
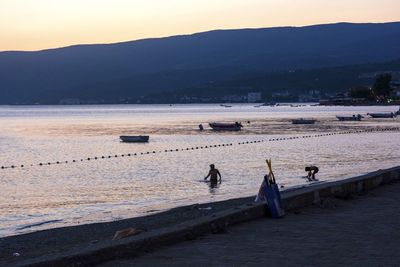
{"x": 41, "y": 24}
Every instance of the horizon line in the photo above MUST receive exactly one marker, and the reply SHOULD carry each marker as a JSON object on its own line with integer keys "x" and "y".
{"x": 190, "y": 34}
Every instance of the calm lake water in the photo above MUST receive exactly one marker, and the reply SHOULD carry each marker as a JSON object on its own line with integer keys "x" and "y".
{"x": 39, "y": 197}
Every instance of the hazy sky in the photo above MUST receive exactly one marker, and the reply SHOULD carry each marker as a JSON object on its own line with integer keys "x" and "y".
{"x": 40, "y": 24}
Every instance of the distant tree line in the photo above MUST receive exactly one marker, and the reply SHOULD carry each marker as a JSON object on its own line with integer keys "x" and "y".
{"x": 380, "y": 90}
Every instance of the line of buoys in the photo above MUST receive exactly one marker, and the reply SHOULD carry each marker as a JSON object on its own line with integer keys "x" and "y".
{"x": 208, "y": 147}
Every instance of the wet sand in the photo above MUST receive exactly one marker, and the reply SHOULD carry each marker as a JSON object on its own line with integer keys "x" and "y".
{"x": 361, "y": 231}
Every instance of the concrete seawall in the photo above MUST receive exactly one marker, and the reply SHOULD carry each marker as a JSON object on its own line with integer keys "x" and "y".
{"x": 293, "y": 199}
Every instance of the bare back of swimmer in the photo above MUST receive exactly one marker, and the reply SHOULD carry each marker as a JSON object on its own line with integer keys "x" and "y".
{"x": 213, "y": 174}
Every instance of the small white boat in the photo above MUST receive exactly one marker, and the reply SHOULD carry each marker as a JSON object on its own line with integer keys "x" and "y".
{"x": 134, "y": 138}
{"x": 303, "y": 121}
{"x": 223, "y": 126}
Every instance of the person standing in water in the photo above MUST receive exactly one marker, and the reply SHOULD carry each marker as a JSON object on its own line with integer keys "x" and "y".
{"x": 213, "y": 174}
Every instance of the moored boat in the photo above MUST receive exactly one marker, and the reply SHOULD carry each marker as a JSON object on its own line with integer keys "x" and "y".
{"x": 224, "y": 126}
{"x": 134, "y": 138}
{"x": 382, "y": 115}
{"x": 357, "y": 117}
{"x": 303, "y": 121}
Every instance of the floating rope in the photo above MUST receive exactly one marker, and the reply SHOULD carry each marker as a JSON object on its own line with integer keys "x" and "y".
{"x": 203, "y": 147}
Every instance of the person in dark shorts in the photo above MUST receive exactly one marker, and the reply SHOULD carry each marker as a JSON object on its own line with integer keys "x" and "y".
{"x": 312, "y": 170}
{"x": 213, "y": 174}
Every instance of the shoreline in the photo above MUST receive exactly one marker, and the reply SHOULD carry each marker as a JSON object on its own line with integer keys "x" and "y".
{"x": 393, "y": 103}
{"x": 56, "y": 240}
{"x": 93, "y": 242}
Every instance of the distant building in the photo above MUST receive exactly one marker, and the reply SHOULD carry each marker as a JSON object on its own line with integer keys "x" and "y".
{"x": 281, "y": 94}
{"x": 253, "y": 97}
{"x": 396, "y": 88}
{"x": 234, "y": 98}
{"x": 314, "y": 92}
{"x": 310, "y": 96}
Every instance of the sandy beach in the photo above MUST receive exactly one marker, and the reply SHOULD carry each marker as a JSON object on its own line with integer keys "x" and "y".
{"x": 363, "y": 230}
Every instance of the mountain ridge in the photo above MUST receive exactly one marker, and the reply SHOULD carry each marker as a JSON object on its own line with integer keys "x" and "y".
{"x": 197, "y": 33}
{"x": 58, "y": 73}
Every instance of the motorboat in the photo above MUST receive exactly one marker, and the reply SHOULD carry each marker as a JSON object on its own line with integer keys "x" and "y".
{"x": 357, "y": 117}
{"x": 134, "y": 138}
{"x": 303, "y": 121}
{"x": 382, "y": 115}
{"x": 224, "y": 126}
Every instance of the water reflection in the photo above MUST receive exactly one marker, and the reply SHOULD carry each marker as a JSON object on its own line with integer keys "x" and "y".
{"x": 213, "y": 186}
